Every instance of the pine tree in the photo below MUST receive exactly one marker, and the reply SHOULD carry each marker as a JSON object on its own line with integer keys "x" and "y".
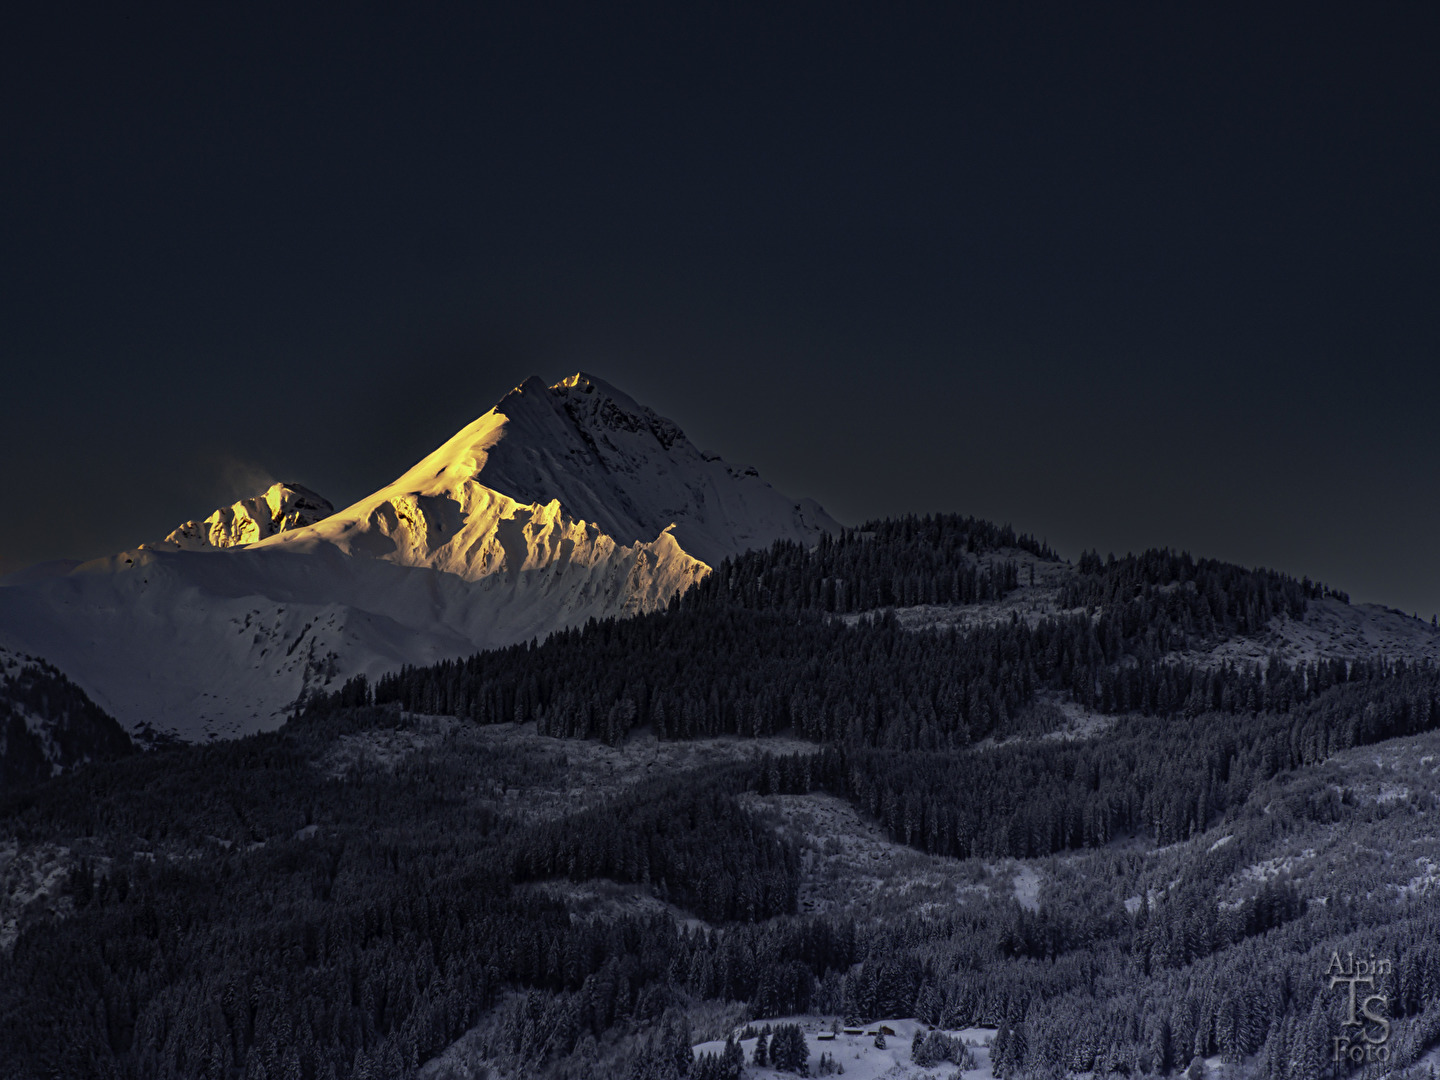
{"x": 732, "y": 1060}
{"x": 1000, "y": 1050}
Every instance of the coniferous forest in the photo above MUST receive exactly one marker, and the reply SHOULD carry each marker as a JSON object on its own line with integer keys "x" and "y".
{"x": 527, "y": 850}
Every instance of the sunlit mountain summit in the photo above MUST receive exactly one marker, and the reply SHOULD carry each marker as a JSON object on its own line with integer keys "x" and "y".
{"x": 279, "y": 508}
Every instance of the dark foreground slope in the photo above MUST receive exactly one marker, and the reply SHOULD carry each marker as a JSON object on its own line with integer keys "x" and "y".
{"x": 339, "y": 914}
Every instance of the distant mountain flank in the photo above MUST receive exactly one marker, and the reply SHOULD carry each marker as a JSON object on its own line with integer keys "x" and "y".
{"x": 562, "y": 503}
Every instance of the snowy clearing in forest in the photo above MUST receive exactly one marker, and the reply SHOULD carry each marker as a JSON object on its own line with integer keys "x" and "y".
{"x": 859, "y": 1056}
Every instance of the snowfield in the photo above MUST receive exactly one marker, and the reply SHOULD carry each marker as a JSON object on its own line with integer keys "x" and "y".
{"x": 858, "y": 1055}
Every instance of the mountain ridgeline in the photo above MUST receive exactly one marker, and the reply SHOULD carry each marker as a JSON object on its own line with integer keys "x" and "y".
{"x": 757, "y": 649}
{"x": 935, "y": 560}
{"x": 890, "y": 563}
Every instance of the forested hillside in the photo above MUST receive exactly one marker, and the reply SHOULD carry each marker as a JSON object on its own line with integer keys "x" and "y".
{"x": 48, "y": 724}
{"x": 751, "y": 650}
{"x": 587, "y": 866}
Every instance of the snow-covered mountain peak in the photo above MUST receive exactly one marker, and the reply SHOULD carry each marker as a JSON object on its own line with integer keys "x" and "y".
{"x": 564, "y": 502}
{"x": 613, "y": 461}
{"x": 592, "y": 402}
{"x": 578, "y": 460}
{"x": 278, "y": 509}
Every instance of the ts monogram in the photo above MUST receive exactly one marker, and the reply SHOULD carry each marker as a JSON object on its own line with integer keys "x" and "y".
{"x": 1369, "y": 1043}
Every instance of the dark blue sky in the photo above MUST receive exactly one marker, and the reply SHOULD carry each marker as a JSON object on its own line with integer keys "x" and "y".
{"x": 1123, "y": 277}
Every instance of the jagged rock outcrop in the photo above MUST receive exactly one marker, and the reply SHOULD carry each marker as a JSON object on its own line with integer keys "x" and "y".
{"x": 280, "y": 508}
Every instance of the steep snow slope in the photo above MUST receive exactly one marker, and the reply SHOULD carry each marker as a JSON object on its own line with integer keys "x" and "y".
{"x": 481, "y": 544}
{"x": 280, "y": 508}
{"x": 616, "y": 463}
{"x": 205, "y": 644}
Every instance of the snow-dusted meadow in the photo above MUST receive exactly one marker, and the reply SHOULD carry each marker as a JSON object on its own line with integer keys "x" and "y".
{"x": 858, "y": 1056}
